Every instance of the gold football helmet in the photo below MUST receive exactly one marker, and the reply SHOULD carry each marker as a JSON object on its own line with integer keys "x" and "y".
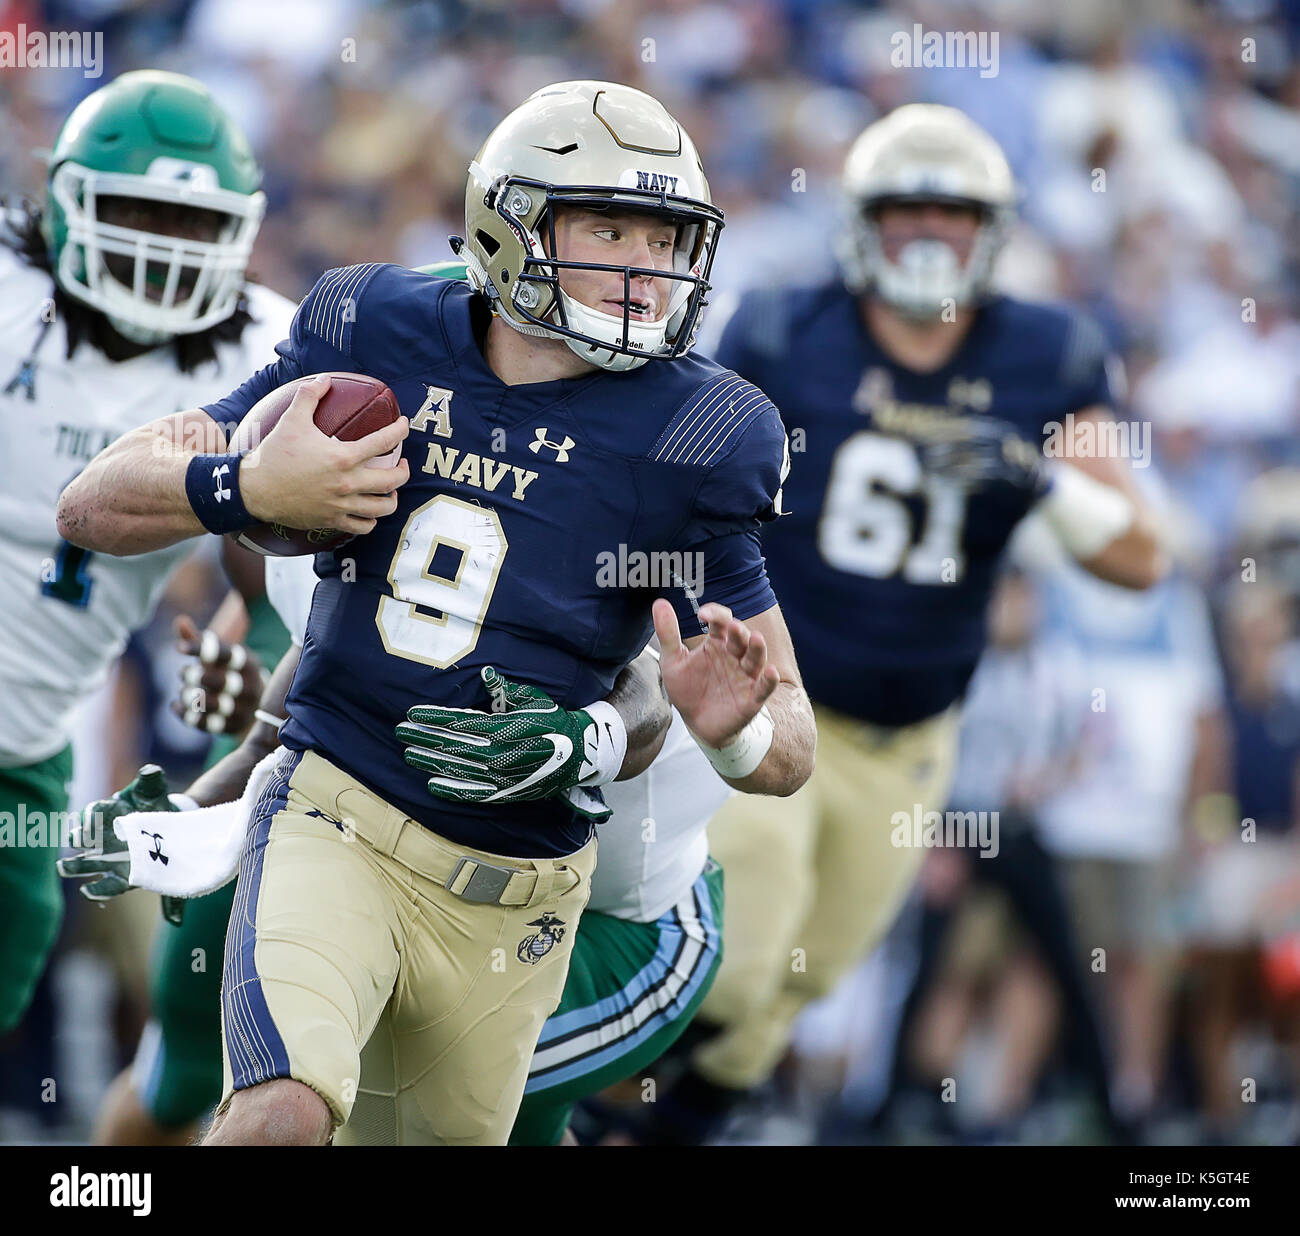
{"x": 924, "y": 153}
{"x": 595, "y": 145}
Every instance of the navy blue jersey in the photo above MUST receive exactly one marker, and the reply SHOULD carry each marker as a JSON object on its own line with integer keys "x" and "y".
{"x": 883, "y": 572}
{"x": 539, "y": 523}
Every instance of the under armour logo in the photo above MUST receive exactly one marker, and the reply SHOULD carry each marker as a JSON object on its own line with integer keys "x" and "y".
{"x": 156, "y": 853}
{"x": 561, "y": 449}
{"x": 217, "y": 474}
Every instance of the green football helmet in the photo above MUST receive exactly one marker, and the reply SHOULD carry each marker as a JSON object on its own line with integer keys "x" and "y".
{"x": 155, "y": 138}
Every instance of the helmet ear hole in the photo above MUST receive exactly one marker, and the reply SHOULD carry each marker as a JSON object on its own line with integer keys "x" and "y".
{"x": 489, "y": 244}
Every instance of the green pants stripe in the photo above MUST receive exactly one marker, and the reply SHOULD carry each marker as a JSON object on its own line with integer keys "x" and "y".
{"x": 632, "y": 989}
{"x": 33, "y": 800}
{"x": 177, "y": 1069}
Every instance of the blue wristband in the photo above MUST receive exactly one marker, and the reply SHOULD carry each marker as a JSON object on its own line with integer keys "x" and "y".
{"x": 212, "y": 486}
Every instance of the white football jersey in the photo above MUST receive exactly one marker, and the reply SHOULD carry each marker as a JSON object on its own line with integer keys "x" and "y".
{"x": 66, "y": 613}
{"x": 654, "y": 846}
{"x": 290, "y": 583}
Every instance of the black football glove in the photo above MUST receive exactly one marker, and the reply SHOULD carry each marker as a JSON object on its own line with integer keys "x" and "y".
{"x": 988, "y": 452}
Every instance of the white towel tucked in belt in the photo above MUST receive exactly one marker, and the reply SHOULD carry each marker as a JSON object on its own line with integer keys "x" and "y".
{"x": 191, "y": 853}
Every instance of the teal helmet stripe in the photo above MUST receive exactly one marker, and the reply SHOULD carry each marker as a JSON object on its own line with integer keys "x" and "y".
{"x": 453, "y": 268}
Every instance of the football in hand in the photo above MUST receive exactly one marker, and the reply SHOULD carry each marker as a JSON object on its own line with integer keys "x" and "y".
{"x": 353, "y": 407}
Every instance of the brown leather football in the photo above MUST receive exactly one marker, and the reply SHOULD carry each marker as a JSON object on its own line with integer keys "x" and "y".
{"x": 353, "y": 407}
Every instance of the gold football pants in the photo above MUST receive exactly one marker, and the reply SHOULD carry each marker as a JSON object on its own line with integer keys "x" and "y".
{"x": 813, "y": 882}
{"x": 402, "y": 977}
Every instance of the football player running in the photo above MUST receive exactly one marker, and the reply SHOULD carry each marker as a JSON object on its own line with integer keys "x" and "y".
{"x": 646, "y": 950}
{"x": 920, "y": 401}
{"x": 536, "y": 440}
{"x": 124, "y": 292}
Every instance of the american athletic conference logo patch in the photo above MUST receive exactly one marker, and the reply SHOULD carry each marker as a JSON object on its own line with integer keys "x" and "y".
{"x": 550, "y": 931}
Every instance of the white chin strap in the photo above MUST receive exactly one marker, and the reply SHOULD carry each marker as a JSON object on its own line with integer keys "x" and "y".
{"x": 647, "y": 337}
{"x": 927, "y": 279}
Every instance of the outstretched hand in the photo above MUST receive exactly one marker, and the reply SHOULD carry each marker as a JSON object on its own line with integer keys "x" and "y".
{"x": 720, "y": 685}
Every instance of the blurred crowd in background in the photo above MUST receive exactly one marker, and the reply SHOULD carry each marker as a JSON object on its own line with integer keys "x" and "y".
{"x": 1127, "y": 741}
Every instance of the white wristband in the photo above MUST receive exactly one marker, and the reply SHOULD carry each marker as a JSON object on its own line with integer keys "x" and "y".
{"x": 745, "y": 752}
{"x": 1085, "y": 514}
{"x": 603, "y": 764}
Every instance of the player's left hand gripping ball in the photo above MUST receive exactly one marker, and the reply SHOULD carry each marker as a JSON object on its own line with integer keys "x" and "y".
{"x": 526, "y": 748}
{"x": 101, "y": 853}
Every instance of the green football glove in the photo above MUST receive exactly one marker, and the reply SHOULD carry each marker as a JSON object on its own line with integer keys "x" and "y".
{"x": 526, "y": 748}
{"x": 102, "y": 855}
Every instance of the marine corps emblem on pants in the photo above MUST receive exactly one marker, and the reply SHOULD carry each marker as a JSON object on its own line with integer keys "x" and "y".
{"x": 550, "y": 931}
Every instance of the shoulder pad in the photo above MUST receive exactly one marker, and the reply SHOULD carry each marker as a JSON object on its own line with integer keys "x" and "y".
{"x": 710, "y": 421}
{"x": 1084, "y": 350}
{"x": 329, "y": 310}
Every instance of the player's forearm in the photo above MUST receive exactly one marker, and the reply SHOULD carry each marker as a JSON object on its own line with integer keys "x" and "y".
{"x": 1099, "y": 516}
{"x": 789, "y": 760}
{"x": 131, "y": 497}
{"x": 230, "y": 622}
{"x": 639, "y": 698}
{"x": 225, "y": 780}
{"x": 1135, "y": 559}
